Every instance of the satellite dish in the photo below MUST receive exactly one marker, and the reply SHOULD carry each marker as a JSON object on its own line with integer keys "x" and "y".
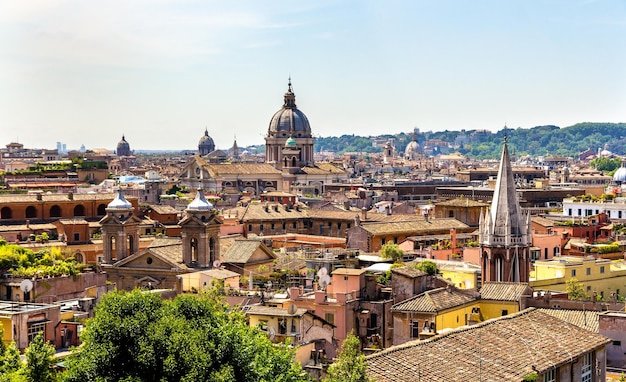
{"x": 271, "y": 333}
{"x": 324, "y": 281}
{"x": 269, "y": 285}
{"x": 322, "y": 272}
{"x": 26, "y": 286}
{"x": 292, "y": 309}
{"x": 217, "y": 264}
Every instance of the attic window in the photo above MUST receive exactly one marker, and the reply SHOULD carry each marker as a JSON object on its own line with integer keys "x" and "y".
{"x": 149, "y": 260}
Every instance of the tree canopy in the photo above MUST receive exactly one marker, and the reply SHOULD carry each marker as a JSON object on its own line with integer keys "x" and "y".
{"x": 20, "y": 261}
{"x": 392, "y": 251}
{"x": 427, "y": 266}
{"x": 351, "y": 365}
{"x": 137, "y": 336}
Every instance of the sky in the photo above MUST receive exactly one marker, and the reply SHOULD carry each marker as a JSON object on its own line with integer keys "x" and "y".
{"x": 161, "y": 71}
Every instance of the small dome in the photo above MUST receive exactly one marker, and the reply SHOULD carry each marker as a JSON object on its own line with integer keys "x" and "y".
{"x": 412, "y": 147}
{"x": 200, "y": 203}
{"x": 620, "y": 175}
{"x": 123, "y": 148}
{"x": 289, "y": 120}
{"x": 206, "y": 144}
{"x": 290, "y": 142}
{"x": 119, "y": 202}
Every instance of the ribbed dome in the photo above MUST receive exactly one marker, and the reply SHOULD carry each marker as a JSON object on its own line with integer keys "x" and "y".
{"x": 123, "y": 148}
{"x": 289, "y": 121}
{"x": 620, "y": 175}
{"x": 119, "y": 202}
{"x": 206, "y": 144}
{"x": 200, "y": 203}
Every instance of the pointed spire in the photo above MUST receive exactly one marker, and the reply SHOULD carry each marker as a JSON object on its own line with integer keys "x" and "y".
{"x": 506, "y": 223}
{"x": 206, "y": 131}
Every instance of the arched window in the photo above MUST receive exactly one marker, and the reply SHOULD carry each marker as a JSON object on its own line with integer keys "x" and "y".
{"x": 211, "y": 250}
{"x": 194, "y": 249}
{"x": 79, "y": 257}
{"x": 131, "y": 241}
{"x": 451, "y": 214}
{"x": 79, "y": 210}
{"x": 31, "y": 212}
{"x": 6, "y": 213}
{"x": 102, "y": 209}
{"x": 293, "y": 162}
{"x": 55, "y": 211}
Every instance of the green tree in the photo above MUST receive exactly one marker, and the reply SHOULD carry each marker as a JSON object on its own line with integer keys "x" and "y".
{"x": 427, "y": 266}
{"x": 606, "y": 164}
{"x": 575, "y": 289}
{"x": 351, "y": 365}
{"x": 392, "y": 251}
{"x": 10, "y": 363}
{"x": 136, "y": 336}
{"x": 39, "y": 360}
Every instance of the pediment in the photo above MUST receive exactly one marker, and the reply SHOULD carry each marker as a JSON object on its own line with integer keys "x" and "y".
{"x": 148, "y": 259}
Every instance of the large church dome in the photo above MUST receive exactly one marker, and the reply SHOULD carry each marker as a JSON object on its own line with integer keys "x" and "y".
{"x": 289, "y": 121}
{"x": 206, "y": 144}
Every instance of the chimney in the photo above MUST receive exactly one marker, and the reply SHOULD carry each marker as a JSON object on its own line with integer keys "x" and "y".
{"x": 341, "y": 298}
{"x": 39, "y": 196}
{"x": 294, "y": 293}
{"x": 70, "y": 195}
{"x": 364, "y": 214}
{"x": 453, "y": 239}
{"x": 388, "y": 210}
{"x": 320, "y": 296}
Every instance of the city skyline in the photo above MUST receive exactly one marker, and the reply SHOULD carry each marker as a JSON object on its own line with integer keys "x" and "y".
{"x": 161, "y": 72}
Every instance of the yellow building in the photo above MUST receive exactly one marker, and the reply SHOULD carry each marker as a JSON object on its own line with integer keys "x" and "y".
{"x": 599, "y": 276}
{"x": 423, "y": 315}
{"x": 428, "y": 313}
{"x": 195, "y": 281}
{"x": 499, "y": 299}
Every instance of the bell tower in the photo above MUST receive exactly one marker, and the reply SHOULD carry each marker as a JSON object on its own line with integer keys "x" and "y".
{"x": 200, "y": 233}
{"x": 120, "y": 229}
{"x": 504, "y": 231}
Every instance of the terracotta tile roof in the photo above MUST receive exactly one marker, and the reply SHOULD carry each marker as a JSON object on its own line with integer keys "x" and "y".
{"x": 241, "y": 250}
{"x": 273, "y": 311}
{"x": 220, "y": 169}
{"x": 25, "y": 227}
{"x": 414, "y": 226}
{"x": 462, "y": 202}
{"x": 504, "y": 291}
{"x": 433, "y": 301}
{"x": 322, "y": 168}
{"x": 263, "y": 211}
{"x": 163, "y": 209}
{"x": 172, "y": 252}
{"x": 586, "y": 319}
{"x": 32, "y": 198}
{"x": 348, "y": 271}
{"x": 542, "y": 221}
{"x": 502, "y": 349}
{"x": 77, "y": 221}
{"x": 219, "y": 273}
{"x": 408, "y": 272}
